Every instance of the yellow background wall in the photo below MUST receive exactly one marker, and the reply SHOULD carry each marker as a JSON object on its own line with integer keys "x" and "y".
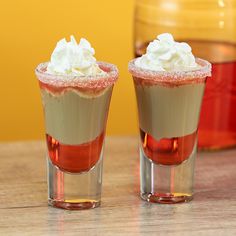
{"x": 29, "y": 32}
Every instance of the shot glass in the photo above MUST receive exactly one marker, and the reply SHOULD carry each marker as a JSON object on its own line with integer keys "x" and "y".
{"x": 168, "y": 109}
{"x": 75, "y": 112}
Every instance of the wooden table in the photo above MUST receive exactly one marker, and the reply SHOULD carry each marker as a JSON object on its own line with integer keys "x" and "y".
{"x": 23, "y": 195}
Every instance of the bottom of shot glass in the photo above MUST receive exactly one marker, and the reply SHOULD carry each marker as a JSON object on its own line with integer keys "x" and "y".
{"x": 80, "y": 204}
{"x": 74, "y": 191}
{"x": 166, "y": 198}
{"x": 167, "y": 184}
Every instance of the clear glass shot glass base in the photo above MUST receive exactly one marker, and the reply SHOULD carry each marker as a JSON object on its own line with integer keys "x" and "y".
{"x": 79, "y": 205}
{"x": 167, "y": 184}
{"x": 74, "y": 191}
{"x": 166, "y": 198}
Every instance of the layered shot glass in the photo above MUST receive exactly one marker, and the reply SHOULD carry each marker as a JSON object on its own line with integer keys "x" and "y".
{"x": 76, "y": 91}
{"x": 169, "y": 84}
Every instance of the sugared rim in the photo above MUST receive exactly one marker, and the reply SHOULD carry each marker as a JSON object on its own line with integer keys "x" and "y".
{"x": 172, "y": 77}
{"x": 98, "y": 81}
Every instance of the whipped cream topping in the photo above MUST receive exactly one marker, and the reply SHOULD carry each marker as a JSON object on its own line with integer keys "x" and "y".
{"x": 70, "y": 58}
{"x": 164, "y": 54}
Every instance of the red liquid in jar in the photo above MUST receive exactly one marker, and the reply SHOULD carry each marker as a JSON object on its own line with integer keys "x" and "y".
{"x": 217, "y": 127}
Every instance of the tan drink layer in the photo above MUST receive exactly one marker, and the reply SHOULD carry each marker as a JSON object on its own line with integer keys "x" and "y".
{"x": 167, "y": 112}
{"x": 73, "y": 118}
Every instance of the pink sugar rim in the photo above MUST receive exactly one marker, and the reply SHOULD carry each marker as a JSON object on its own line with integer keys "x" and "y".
{"x": 96, "y": 81}
{"x": 177, "y": 77}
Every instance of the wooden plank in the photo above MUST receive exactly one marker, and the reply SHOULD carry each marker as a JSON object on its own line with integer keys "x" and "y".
{"x": 23, "y": 196}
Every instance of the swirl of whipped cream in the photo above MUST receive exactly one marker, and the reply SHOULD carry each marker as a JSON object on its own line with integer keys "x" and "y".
{"x": 70, "y": 58}
{"x": 164, "y": 54}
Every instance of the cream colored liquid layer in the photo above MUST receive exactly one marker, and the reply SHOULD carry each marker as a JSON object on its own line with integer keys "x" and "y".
{"x": 167, "y": 112}
{"x": 73, "y": 118}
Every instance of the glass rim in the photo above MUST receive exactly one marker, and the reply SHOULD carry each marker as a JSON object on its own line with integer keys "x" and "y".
{"x": 178, "y": 77}
{"x": 59, "y": 80}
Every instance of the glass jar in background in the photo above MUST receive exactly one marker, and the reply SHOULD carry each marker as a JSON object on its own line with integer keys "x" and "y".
{"x": 210, "y": 28}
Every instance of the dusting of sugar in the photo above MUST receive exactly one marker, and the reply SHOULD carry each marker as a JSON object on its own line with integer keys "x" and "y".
{"x": 98, "y": 82}
{"x": 171, "y": 78}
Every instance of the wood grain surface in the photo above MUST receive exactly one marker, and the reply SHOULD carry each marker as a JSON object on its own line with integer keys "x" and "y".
{"x": 23, "y": 196}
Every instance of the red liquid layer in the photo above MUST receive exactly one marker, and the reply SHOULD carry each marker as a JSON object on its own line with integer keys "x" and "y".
{"x": 75, "y": 158}
{"x": 217, "y": 127}
{"x": 168, "y": 151}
